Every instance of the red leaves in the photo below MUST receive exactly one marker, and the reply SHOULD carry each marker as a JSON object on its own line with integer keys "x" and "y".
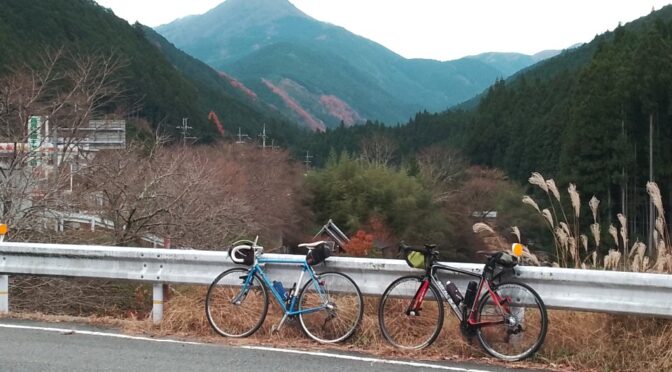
{"x": 359, "y": 244}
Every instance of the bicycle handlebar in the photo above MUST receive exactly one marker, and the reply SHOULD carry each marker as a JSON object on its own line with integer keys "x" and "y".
{"x": 258, "y": 250}
{"x": 427, "y": 249}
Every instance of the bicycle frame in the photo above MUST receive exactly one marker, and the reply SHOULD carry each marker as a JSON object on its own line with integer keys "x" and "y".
{"x": 288, "y": 307}
{"x": 494, "y": 309}
{"x": 482, "y": 284}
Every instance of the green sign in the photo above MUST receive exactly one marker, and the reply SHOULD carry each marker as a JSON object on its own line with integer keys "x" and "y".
{"x": 34, "y": 137}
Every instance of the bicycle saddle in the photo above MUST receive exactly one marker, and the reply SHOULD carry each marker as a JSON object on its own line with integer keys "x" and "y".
{"x": 312, "y": 245}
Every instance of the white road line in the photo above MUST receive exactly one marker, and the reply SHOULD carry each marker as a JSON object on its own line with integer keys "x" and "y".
{"x": 103, "y": 334}
{"x": 364, "y": 359}
{"x": 312, "y": 353}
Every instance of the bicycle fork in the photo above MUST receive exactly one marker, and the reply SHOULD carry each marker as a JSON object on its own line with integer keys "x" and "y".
{"x": 244, "y": 289}
{"x": 416, "y": 305}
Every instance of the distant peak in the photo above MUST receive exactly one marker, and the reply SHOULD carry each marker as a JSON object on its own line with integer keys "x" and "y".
{"x": 264, "y": 8}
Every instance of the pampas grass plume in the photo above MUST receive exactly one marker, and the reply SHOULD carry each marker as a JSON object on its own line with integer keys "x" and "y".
{"x": 594, "y": 203}
{"x": 614, "y": 234}
{"x": 537, "y": 179}
{"x": 529, "y": 201}
{"x": 563, "y": 238}
{"x": 481, "y": 227}
{"x": 595, "y": 229}
{"x": 553, "y": 188}
{"x": 547, "y": 215}
{"x": 516, "y": 232}
{"x": 654, "y": 193}
{"x": 660, "y": 226}
{"x": 576, "y": 200}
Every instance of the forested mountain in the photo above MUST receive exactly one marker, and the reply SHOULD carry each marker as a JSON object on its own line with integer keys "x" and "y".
{"x": 585, "y": 114}
{"x": 160, "y": 83}
{"x": 322, "y": 74}
{"x": 582, "y": 116}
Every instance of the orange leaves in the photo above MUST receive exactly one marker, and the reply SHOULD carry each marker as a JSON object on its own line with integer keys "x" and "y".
{"x": 212, "y": 116}
{"x": 359, "y": 244}
{"x": 362, "y": 242}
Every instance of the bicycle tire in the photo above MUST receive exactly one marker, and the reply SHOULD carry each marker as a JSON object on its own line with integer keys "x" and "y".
{"x": 410, "y": 331}
{"x": 522, "y": 331}
{"x": 336, "y": 323}
{"x": 228, "y": 318}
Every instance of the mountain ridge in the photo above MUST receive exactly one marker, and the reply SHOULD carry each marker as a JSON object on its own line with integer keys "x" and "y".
{"x": 227, "y": 37}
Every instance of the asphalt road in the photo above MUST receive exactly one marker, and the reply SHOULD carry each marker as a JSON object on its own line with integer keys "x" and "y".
{"x": 32, "y": 347}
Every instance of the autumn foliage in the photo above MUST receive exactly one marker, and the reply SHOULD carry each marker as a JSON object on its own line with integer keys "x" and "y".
{"x": 374, "y": 233}
{"x": 359, "y": 244}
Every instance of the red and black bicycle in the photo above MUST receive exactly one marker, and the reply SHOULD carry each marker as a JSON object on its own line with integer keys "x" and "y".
{"x": 508, "y": 318}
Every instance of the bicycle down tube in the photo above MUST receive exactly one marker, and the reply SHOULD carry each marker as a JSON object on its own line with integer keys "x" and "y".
{"x": 437, "y": 283}
{"x": 483, "y": 283}
{"x": 288, "y": 308}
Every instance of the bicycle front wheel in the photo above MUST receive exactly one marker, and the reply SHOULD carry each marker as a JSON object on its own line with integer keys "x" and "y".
{"x": 234, "y": 309}
{"x": 331, "y": 307}
{"x": 403, "y": 326}
{"x": 515, "y": 328}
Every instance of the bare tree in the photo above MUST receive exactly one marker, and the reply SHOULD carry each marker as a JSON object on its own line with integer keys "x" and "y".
{"x": 168, "y": 191}
{"x": 481, "y": 190}
{"x": 443, "y": 168}
{"x": 272, "y": 183}
{"x": 379, "y": 150}
{"x": 63, "y": 92}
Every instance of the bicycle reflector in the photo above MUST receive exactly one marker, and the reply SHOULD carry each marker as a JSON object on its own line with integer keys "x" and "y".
{"x": 517, "y": 249}
{"x": 3, "y": 231}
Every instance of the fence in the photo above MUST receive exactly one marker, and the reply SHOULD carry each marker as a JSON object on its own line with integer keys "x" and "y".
{"x": 569, "y": 289}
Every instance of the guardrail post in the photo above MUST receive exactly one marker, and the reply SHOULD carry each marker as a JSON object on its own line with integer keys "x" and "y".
{"x": 4, "y": 293}
{"x": 157, "y": 307}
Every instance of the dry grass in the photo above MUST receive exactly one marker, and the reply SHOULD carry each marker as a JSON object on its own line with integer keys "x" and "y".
{"x": 575, "y": 341}
{"x": 608, "y": 343}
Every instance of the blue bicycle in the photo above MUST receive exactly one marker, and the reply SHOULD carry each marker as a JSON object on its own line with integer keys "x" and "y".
{"x": 329, "y": 305}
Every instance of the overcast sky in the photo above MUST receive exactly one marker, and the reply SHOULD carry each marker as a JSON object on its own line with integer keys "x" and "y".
{"x": 438, "y": 29}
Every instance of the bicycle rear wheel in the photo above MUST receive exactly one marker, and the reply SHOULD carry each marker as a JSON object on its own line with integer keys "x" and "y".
{"x": 234, "y": 309}
{"x": 403, "y": 328}
{"x": 517, "y": 327}
{"x": 338, "y": 307}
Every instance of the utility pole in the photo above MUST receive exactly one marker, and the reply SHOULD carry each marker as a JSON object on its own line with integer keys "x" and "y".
{"x": 263, "y": 138}
{"x": 241, "y": 135}
{"x": 652, "y": 212}
{"x": 624, "y": 197}
{"x": 307, "y": 162}
{"x": 184, "y": 128}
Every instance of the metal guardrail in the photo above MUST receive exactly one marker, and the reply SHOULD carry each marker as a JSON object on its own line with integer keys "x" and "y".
{"x": 569, "y": 289}
{"x": 94, "y": 221}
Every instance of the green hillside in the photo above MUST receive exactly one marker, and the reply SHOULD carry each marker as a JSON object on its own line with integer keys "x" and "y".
{"x": 236, "y": 106}
{"x": 164, "y": 92}
{"x": 307, "y": 68}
